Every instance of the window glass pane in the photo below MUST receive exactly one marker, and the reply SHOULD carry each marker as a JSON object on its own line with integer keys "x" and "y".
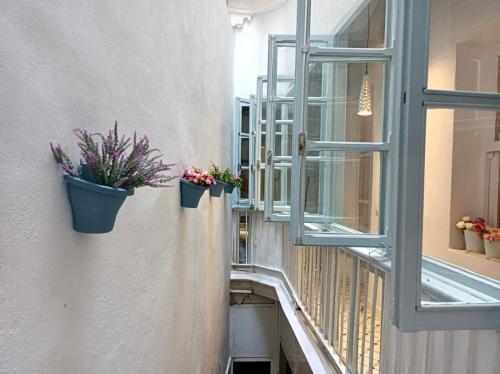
{"x": 462, "y": 173}
{"x": 263, "y": 147}
{"x": 284, "y": 88}
{"x": 262, "y": 184}
{"x": 245, "y": 151}
{"x": 283, "y": 135}
{"x": 464, "y": 45}
{"x": 245, "y": 119}
{"x": 243, "y": 236}
{"x": 264, "y": 91}
{"x": 342, "y": 192}
{"x": 346, "y": 102}
{"x": 285, "y": 65}
{"x": 354, "y": 23}
{"x": 244, "y": 190}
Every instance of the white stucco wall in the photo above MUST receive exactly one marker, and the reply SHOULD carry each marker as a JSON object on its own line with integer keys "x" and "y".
{"x": 151, "y": 296}
{"x": 251, "y": 44}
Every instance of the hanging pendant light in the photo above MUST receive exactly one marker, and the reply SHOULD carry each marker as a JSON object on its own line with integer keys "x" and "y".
{"x": 365, "y": 95}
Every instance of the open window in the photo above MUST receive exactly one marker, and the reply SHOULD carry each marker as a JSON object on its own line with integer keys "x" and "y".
{"x": 449, "y": 166}
{"x": 279, "y": 127}
{"x": 344, "y": 149}
{"x": 260, "y": 142}
{"x": 243, "y": 161}
{"x": 279, "y": 123}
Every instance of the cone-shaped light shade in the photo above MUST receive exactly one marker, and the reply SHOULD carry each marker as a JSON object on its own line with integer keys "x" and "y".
{"x": 365, "y": 97}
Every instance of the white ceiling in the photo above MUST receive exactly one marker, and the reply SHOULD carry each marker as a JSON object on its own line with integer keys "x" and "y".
{"x": 245, "y": 9}
{"x": 253, "y": 6}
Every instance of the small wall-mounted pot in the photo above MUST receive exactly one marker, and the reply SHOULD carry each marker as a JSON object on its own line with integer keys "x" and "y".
{"x": 94, "y": 206}
{"x": 473, "y": 242}
{"x": 216, "y": 190}
{"x": 191, "y": 194}
{"x": 492, "y": 249}
{"x": 228, "y": 188}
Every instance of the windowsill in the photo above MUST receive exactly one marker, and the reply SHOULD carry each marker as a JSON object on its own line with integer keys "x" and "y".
{"x": 475, "y": 262}
{"x": 480, "y": 256}
{"x": 450, "y": 283}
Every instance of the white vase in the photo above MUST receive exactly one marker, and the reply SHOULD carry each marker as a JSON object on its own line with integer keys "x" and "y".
{"x": 492, "y": 249}
{"x": 473, "y": 242}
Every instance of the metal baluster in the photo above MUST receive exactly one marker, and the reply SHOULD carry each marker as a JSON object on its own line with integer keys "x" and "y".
{"x": 314, "y": 290}
{"x": 342, "y": 297}
{"x": 382, "y": 307}
{"x": 330, "y": 286}
{"x": 374, "y": 311}
{"x": 333, "y": 296}
{"x": 365, "y": 310}
{"x": 319, "y": 299}
{"x": 352, "y": 341}
{"x": 309, "y": 280}
{"x": 324, "y": 289}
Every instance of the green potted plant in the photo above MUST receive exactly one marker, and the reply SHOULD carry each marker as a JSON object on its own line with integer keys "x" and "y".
{"x": 194, "y": 183}
{"x": 231, "y": 180}
{"x": 217, "y": 173}
{"x": 111, "y": 167}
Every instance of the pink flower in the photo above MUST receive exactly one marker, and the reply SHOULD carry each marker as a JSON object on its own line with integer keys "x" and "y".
{"x": 477, "y": 227}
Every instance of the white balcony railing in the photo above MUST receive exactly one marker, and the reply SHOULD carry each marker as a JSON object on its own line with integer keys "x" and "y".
{"x": 344, "y": 295}
{"x": 338, "y": 291}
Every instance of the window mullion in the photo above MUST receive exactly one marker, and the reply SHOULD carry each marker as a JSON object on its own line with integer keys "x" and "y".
{"x": 300, "y": 116}
{"x": 458, "y": 99}
{"x": 272, "y": 65}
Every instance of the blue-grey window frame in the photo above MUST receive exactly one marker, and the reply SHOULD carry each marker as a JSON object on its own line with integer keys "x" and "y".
{"x": 237, "y": 201}
{"x": 389, "y": 55}
{"x": 409, "y": 313}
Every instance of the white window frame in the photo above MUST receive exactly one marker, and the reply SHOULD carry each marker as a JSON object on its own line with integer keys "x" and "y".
{"x": 410, "y": 313}
{"x": 273, "y": 99}
{"x": 237, "y": 201}
{"x": 274, "y": 42}
{"x": 259, "y": 164}
{"x": 388, "y": 147}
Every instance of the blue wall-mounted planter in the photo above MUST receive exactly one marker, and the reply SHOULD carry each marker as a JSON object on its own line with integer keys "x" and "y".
{"x": 191, "y": 194}
{"x": 94, "y": 207}
{"x": 228, "y": 188}
{"x": 216, "y": 190}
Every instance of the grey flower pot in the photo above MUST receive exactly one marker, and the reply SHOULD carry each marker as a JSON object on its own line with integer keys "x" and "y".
{"x": 216, "y": 190}
{"x": 191, "y": 194}
{"x": 94, "y": 207}
{"x": 228, "y": 188}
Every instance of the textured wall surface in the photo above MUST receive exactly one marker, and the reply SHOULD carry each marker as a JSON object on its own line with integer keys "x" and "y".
{"x": 151, "y": 296}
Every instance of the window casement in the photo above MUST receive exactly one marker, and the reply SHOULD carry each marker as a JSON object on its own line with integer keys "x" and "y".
{"x": 244, "y": 157}
{"x": 279, "y": 127}
{"x": 449, "y": 110}
{"x": 241, "y": 244}
{"x": 279, "y": 123}
{"x": 343, "y": 160}
{"x": 259, "y": 136}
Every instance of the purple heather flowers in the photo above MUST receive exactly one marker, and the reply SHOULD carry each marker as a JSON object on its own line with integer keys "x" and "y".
{"x": 115, "y": 161}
